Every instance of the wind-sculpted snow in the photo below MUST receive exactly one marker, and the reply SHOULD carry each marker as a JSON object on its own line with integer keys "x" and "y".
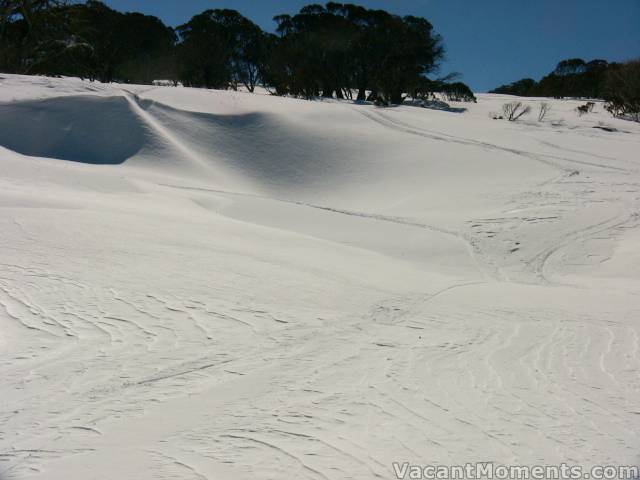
{"x": 86, "y": 129}
{"x": 258, "y": 145}
{"x": 260, "y": 288}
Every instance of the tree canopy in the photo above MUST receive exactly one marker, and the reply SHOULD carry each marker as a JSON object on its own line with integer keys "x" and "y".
{"x": 337, "y": 49}
{"x": 571, "y": 78}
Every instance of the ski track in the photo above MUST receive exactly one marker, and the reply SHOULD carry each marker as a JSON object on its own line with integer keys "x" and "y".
{"x": 546, "y": 159}
{"x": 173, "y": 352}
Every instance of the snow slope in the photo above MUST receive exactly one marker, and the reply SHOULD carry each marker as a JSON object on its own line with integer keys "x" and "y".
{"x": 202, "y": 284}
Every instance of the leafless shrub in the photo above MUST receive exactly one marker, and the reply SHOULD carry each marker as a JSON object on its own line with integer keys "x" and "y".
{"x": 586, "y": 108}
{"x": 514, "y": 110}
{"x": 543, "y": 110}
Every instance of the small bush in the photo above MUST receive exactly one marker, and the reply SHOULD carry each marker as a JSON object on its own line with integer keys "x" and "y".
{"x": 586, "y": 108}
{"x": 515, "y": 110}
{"x": 543, "y": 110}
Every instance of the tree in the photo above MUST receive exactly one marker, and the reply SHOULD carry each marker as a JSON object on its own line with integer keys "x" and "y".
{"x": 572, "y": 66}
{"x": 331, "y": 50}
{"x": 457, "y": 92}
{"x": 335, "y": 49}
{"x": 594, "y": 78}
{"x": 274, "y": 70}
{"x": 149, "y": 49}
{"x": 570, "y": 78}
{"x": 28, "y": 31}
{"x": 249, "y": 55}
{"x": 407, "y": 49}
{"x": 219, "y": 49}
{"x": 622, "y": 90}
{"x": 204, "y": 51}
{"x": 521, "y": 88}
{"x": 88, "y": 40}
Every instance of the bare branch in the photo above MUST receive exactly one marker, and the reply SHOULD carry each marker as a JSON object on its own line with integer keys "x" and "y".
{"x": 515, "y": 110}
{"x": 543, "y": 110}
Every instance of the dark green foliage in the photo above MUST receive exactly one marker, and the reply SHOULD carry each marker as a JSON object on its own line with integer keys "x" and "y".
{"x": 622, "y": 90}
{"x": 333, "y": 50}
{"x": 344, "y": 50}
{"x": 458, "y": 92}
{"x": 521, "y": 88}
{"x": 427, "y": 89}
{"x": 149, "y": 49}
{"x": 30, "y": 32}
{"x": 571, "y": 78}
{"x": 220, "y": 48}
{"x": 130, "y": 48}
{"x": 573, "y": 66}
{"x": 617, "y": 84}
{"x": 88, "y": 40}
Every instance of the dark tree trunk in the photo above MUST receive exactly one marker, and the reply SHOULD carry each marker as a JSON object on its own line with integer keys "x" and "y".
{"x": 396, "y": 98}
{"x": 327, "y": 92}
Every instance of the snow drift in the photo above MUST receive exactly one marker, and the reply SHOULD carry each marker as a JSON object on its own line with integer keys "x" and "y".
{"x": 86, "y": 129}
{"x": 225, "y": 285}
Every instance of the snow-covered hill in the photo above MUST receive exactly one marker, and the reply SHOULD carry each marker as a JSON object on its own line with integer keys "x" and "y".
{"x": 204, "y": 284}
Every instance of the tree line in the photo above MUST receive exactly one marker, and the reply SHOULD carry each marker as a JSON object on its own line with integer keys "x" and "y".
{"x": 616, "y": 83}
{"x": 334, "y": 50}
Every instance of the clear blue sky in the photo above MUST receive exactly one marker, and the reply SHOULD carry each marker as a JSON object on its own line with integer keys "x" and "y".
{"x": 490, "y": 42}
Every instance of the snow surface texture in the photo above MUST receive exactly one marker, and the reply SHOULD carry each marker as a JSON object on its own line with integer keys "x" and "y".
{"x": 230, "y": 286}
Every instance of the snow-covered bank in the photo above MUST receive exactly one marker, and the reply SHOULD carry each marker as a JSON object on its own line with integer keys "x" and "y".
{"x": 248, "y": 287}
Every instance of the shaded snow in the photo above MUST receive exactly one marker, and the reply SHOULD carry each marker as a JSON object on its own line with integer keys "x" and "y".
{"x": 84, "y": 129}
